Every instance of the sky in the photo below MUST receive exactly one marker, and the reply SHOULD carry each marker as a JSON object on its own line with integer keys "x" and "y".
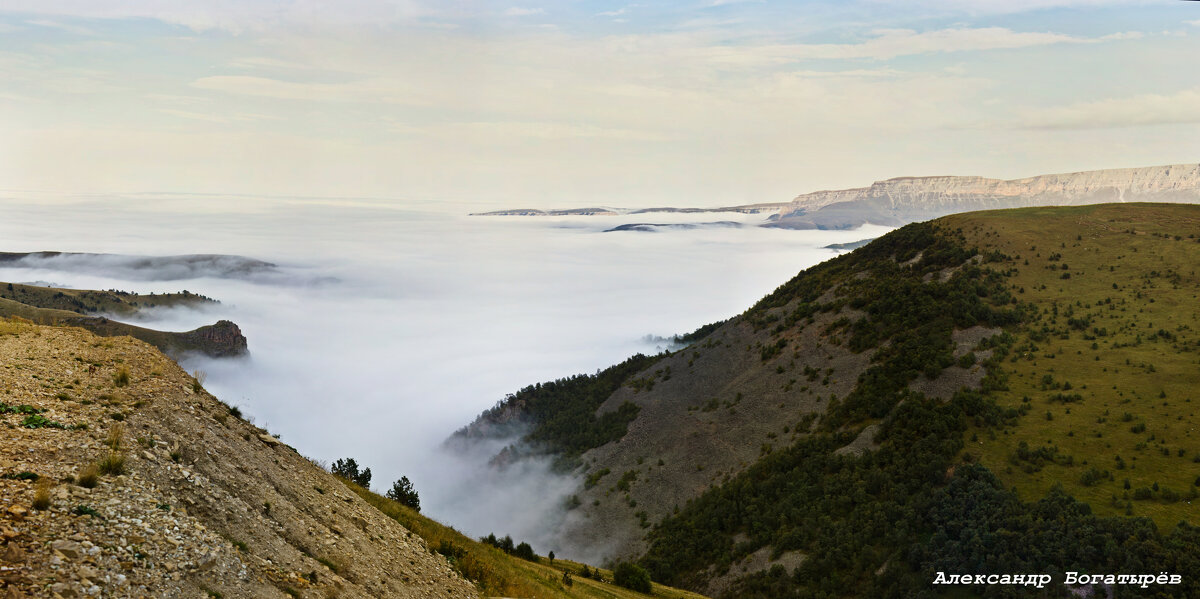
{"x": 583, "y": 102}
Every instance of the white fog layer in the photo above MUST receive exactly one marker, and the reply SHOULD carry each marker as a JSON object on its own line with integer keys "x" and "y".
{"x": 383, "y": 330}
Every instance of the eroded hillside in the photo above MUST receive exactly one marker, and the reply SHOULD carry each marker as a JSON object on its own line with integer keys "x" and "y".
{"x": 121, "y": 476}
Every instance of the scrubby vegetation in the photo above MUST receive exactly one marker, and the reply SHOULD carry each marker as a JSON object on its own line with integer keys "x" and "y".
{"x": 631, "y": 576}
{"x": 1070, "y": 447}
{"x": 562, "y": 413}
{"x": 404, "y": 493}
{"x": 497, "y": 573}
{"x": 883, "y": 522}
{"x": 347, "y": 468}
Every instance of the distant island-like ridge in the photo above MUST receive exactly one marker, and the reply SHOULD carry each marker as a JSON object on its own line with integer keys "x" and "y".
{"x": 901, "y": 200}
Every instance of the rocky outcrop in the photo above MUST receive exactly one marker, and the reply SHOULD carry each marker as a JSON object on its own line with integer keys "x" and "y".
{"x": 903, "y": 200}
{"x": 222, "y": 339}
{"x": 42, "y": 305}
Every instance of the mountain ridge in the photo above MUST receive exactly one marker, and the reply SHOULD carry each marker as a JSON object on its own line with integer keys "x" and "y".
{"x": 901, "y": 200}
{"x": 983, "y": 344}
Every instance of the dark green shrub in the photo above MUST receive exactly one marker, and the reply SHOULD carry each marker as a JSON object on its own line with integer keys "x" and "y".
{"x": 631, "y": 576}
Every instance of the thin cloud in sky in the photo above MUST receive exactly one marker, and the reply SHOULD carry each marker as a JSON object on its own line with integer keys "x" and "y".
{"x": 1178, "y": 108}
{"x": 517, "y": 11}
{"x": 73, "y": 29}
{"x": 237, "y": 16}
{"x": 540, "y": 102}
{"x": 993, "y": 7}
{"x": 376, "y": 91}
{"x": 887, "y": 44}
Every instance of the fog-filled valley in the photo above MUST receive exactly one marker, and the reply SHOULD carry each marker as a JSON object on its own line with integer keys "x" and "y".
{"x": 384, "y": 327}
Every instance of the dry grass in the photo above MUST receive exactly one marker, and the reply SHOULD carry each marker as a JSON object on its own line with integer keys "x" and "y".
{"x": 198, "y": 378}
{"x": 115, "y": 433}
{"x": 88, "y": 477}
{"x": 41, "y": 496}
{"x": 121, "y": 377}
{"x": 496, "y": 573}
{"x": 113, "y": 464}
{"x": 11, "y": 326}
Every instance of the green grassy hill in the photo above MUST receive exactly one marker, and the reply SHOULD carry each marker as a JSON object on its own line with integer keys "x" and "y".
{"x": 1108, "y": 365}
{"x": 987, "y": 393}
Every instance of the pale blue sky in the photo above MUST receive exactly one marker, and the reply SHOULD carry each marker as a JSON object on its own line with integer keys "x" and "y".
{"x": 587, "y": 102}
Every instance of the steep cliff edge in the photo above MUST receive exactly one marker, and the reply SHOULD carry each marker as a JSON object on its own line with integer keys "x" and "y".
{"x": 908, "y": 199}
{"x": 120, "y": 476}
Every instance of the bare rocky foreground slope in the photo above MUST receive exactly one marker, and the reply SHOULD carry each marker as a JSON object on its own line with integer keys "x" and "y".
{"x": 203, "y": 505}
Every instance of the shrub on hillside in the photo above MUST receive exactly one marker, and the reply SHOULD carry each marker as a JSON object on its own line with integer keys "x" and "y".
{"x": 632, "y": 577}
{"x": 402, "y": 492}
{"x": 347, "y": 468}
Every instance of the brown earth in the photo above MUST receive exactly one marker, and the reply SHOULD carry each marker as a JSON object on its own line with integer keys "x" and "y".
{"x": 207, "y": 505}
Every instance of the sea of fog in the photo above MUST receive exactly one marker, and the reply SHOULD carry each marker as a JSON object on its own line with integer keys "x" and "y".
{"x": 390, "y": 324}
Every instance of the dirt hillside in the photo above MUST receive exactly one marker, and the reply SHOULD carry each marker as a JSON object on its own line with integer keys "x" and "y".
{"x": 203, "y": 504}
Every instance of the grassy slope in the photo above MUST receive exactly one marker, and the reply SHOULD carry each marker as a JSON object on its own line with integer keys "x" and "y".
{"x": 89, "y": 301}
{"x": 1148, "y": 253}
{"x": 496, "y": 573}
{"x": 1130, "y": 368}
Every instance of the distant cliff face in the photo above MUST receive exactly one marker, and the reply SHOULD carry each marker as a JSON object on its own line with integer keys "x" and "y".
{"x": 221, "y": 339}
{"x": 908, "y": 199}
